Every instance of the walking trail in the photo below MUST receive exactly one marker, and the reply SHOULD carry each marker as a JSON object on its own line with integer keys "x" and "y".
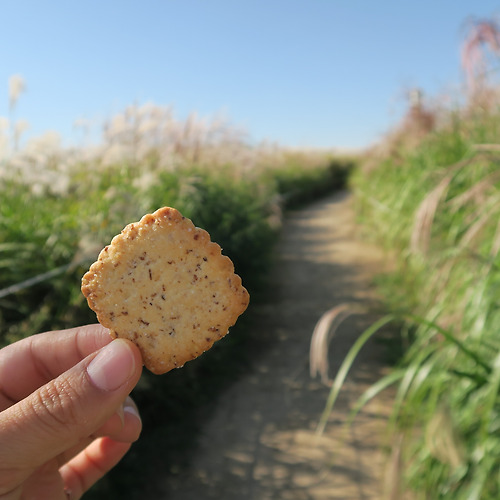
{"x": 260, "y": 441}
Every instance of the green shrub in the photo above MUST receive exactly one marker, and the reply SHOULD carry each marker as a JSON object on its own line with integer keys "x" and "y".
{"x": 297, "y": 184}
{"x": 54, "y": 235}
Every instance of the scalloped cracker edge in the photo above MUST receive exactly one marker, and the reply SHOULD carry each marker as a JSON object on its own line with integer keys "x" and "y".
{"x": 162, "y": 284}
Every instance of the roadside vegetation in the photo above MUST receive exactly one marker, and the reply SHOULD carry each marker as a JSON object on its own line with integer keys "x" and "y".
{"x": 430, "y": 195}
{"x": 60, "y": 206}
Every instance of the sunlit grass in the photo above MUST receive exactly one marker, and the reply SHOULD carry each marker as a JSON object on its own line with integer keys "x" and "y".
{"x": 435, "y": 207}
{"x": 431, "y": 198}
{"x": 59, "y": 206}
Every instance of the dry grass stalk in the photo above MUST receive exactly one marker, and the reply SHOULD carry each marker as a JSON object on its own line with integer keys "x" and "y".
{"x": 424, "y": 218}
{"x": 486, "y": 147}
{"x": 482, "y": 34}
{"x": 476, "y": 193}
{"x": 442, "y": 440}
{"x": 394, "y": 471}
{"x": 417, "y": 123}
{"x": 475, "y": 229}
{"x": 324, "y": 330}
{"x": 17, "y": 86}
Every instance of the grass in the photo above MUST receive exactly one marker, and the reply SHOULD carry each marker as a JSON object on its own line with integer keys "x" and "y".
{"x": 41, "y": 231}
{"x": 58, "y": 208}
{"x": 435, "y": 206}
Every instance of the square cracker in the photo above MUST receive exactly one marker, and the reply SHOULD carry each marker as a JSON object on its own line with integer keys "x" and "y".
{"x": 165, "y": 286}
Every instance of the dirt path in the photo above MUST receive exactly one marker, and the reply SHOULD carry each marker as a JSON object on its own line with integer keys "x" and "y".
{"x": 259, "y": 443}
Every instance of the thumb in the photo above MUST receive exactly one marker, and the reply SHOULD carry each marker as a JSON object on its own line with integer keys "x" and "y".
{"x": 67, "y": 410}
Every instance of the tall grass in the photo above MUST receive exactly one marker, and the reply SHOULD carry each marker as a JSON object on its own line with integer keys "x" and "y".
{"x": 59, "y": 206}
{"x": 435, "y": 206}
{"x": 430, "y": 195}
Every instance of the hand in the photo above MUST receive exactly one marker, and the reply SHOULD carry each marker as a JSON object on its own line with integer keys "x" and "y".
{"x": 65, "y": 415}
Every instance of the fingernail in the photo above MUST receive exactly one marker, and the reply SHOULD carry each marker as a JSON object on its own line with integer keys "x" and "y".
{"x": 130, "y": 408}
{"x": 112, "y": 367}
{"x": 121, "y": 414}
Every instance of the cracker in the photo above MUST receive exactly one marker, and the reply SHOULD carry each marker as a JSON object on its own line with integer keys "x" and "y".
{"x": 165, "y": 286}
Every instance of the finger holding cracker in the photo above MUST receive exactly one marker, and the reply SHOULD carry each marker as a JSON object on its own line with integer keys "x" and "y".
{"x": 165, "y": 286}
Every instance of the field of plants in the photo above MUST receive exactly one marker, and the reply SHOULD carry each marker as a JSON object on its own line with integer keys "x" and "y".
{"x": 59, "y": 207}
{"x": 429, "y": 194}
{"x": 433, "y": 201}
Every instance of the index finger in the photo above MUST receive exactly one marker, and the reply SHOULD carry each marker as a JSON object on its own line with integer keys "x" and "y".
{"x": 32, "y": 362}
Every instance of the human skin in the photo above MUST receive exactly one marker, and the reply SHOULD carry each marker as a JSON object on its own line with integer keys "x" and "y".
{"x": 66, "y": 417}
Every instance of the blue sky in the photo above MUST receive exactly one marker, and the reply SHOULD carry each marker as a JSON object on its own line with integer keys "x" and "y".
{"x": 304, "y": 73}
